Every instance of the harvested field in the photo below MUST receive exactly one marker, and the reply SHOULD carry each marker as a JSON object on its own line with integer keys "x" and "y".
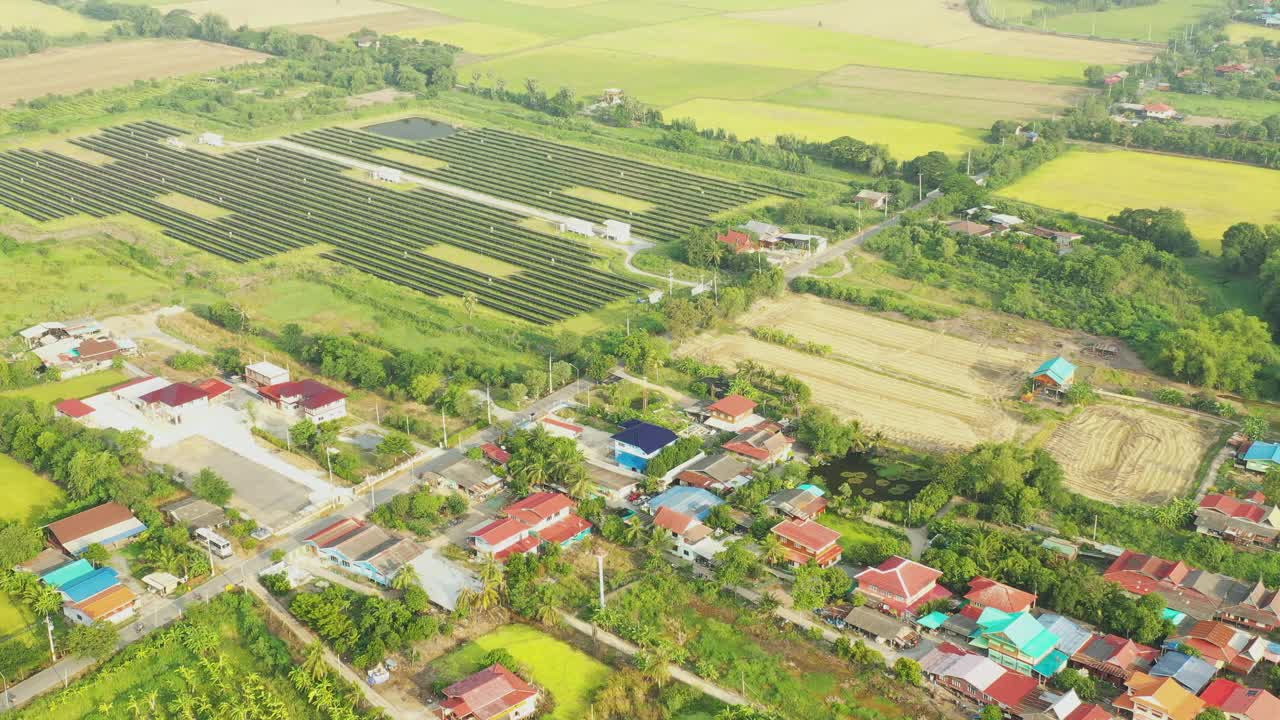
{"x": 944, "y": 24}
{"x": 69, "y": 70}
{"x": 49, "y": 18}
{"x": 259, "y": 14}
{"x": 916, "y": 385}
{"x": 1125, "y": 453}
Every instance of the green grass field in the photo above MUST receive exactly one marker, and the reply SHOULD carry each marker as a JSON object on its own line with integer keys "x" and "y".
{"x": 78, "y": 387}
{"x": 478, "y": 38}
{"x": 906, "y": 138}
{"x": 1156, "y": 23}
{"x": 569, "y": 674}
{"x": 974, "y": 113}
{"x": 26, "y": 494}
{"x": 1208, "y": 105}
{"x": 49, "y": 18}
{"x": 1100, "y": 182}
{"x": 13, "y": 617}
{"x": 1239, "y": 32}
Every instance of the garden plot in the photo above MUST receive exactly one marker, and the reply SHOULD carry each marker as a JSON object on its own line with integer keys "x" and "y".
{"x": 1124, "y": 453}
{"x": 914, "y": 384}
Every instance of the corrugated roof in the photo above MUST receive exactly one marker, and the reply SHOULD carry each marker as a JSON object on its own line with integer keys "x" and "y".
{"x": 1058, "y": 369}
{"x": 68, "y": 573}
{"x": 648, "y": 437}
{"x": 91, "y": 584}
{"x": 88, "y": 522}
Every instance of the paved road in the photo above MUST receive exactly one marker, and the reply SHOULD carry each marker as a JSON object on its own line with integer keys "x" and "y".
{"x": 838, "y": 249}
{"x": 723, "y": 695}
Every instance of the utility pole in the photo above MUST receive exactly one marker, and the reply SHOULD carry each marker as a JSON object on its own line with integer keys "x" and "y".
{"x": 600, "y": 569}
{"x": 920, "y": 181}
{"x": 48, "y": 624}
{"x": 488, "y": 406}
{"x": 445, "y": 428}
{"x": 548, "y": 372}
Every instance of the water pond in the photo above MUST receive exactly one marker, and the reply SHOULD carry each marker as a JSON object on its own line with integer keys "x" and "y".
{"x": 875, "y": 479}
{"x": 414, "y": 128}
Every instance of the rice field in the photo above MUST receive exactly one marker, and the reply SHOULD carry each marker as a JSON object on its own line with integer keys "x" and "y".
{"x": 1239, "y": 32}
{"x": 49, "y": 18}
{"x": 1099, "y": 182}
{"x": 906, "y": 138}
{"x": 1231, "y": 108}
{"x": 478, "y": 38}
{"x": 26, "y": 494}
{"x": 258, "y": 14}
{"x": 1153, "y": 23}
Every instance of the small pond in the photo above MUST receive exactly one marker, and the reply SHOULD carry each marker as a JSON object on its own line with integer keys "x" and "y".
{"x": 414, "y": 128}
{"x": 872, "y": 478}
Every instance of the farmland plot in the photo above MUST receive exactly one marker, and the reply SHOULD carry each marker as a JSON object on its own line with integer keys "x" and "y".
{"x": 1124, "y": 453}
{"x": 258, "y": 14}
{"x": 912, "y": 383}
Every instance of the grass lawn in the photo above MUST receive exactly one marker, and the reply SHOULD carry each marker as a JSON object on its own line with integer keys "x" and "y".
{"x": 569, "y": 674}
{"x": 13, "y": 617}
{"x": 1226, "y": 290}
{"x": 25, "y": 494}
{"x": 478, "y": 38}
{"x": 46, "y": 17}
{"x": 1145, "y": 22}
{"x": 78, "y": 387}
{"x": 860, "y": 536}
{"x": 1228, "y": 107}
{"x": 906, "y": 139}
{"x": 1100, "y": 182}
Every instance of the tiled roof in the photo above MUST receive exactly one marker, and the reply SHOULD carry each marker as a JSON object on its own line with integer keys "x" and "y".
{"x": 107, "y": 602}
{"x": 990, "y": 593}
{"x": 733, "y": 405}
{"x": 213, "y": 387}
{"x": 899, "y": 576}
{"x": 175, "y": 395}
{"x": 807, "y": 534}
{"x": 312, "y": 394}
{"x": 1162, "y": 694}
{"x": 488, "y": 694}
{"x": 1243, "y": 702}
{"x": 567, "y": 528}
{"x": 1232, "y": 507}
{"x": 89, "y": 521}
{"x": 500, "y": 530}
{"x": 760, "y": 442}
{"x": 538, "y": 507}
{"x": 74, "y": 408}
{"x": 673, "y": 520}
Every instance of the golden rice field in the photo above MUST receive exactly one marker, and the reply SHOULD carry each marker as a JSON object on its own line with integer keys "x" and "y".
{"x": 1099, "y": 182}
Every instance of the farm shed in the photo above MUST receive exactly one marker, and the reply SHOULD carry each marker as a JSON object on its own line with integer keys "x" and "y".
{"x": 261, "y": 374}
{"x": 1057, "y": 375}
{"x": 617, "y": 231}
{"x": 884, "y": 629}
{"x": 194, "y": 512}
{"x": 106, "y": 524}
{"x": 871, "y": 199}
{"x": 162, "y": 583}
{"x": 970, "y": 228}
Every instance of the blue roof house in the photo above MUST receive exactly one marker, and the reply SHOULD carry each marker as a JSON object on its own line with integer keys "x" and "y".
{"x": 67, "y": 573}
{"x": 692, "y": 501}
{"x": 1019, "y": 642}
{"x": 90, "y": 584}
{"x": 1056, "y": 374}
{"x": 639, "y": 442}
{"x": 1261, "y": 456}
{"x": 1191, "y": 673}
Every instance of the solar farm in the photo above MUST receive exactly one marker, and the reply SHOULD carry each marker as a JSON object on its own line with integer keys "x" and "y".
{"x": 272, "y": 199}
{"x": 538, "y": 173}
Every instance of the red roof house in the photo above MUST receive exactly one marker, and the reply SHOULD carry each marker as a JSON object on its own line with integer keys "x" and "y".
{"x": 732, "y": 409}
{"x": 739, "y": 241}
{"x": 495, "y": 453}
{"x": 985, "y": 593}
{"x": 175, "y": 395}
{"x": 1239, "y": 702}
{"x": 490, "y": 694}
{"x": 806, "y": 540}
{"x": 542, "y": 516}
{"x": 213, "y": 387}
{"x": 312, "y": 398}
{"x": 1115, "y": 656}
{"x": 673, "y": 520}
{"x": 1247, "y": 520}
{"x": 901, "y": 586}
{"x": 763, "y": 443}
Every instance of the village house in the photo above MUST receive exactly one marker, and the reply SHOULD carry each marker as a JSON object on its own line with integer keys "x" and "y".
{"x": 91, "y": 595}
{"x": 872, "y": 200}
{"x": 1005, "y": 222}
{"x": 1221, "y": 645}
{"x": 803, "y": 503}
{"x": 1258, "y": 610}
{"x": 1201, "y": 594}
{"x": 174, "y": 402}
{"x": 363, "y": 549}
{"x": 692, "y": 501}
{"x": 986, "y": 683}
{"x": 1019, "y": 642}
{"x": 763, "y": 232}
{"x": 214, "y": 389}
{"x": 1115, "y": 657}
{"x": 465, "y": 475}
{"x": 1238, "y": 702}
{"x": 495, "y": 454}
{"x": 1071, "y": 637}
{"x": 494, "y": 693}
{"x": 1191, "y": 673}
{"x": 311, "y": 399}
{"x": 527, "y": 523}
{"x": 1055, "y": 376}
{"x": 1258, "y": 456}
{"x": 987, "y": 593}
{"x": 732, "y": 413}
{"x": 1063, "y": 239}
{"x": 194, "y": 512}
{"x": 806, "y": 541}
{"x": 559, "y": 427}
{"x": 900, "y": 586}
{"x": 615, "y": 487}
{"x": 1246, "y": 520}
{"x": 970, "y": 228}
{"x": 263, "y": 374}
{"x": 694, "y": 541}
{"x": 738, "y": 242}
{"x": 762, "y": 444}
{"x": 1151, "y": 698}
{"x": 109, "y": 524}
{"x": 1159, "y": 111}
{"x": 716, "y": 473}
{"x": 639, "y": 442}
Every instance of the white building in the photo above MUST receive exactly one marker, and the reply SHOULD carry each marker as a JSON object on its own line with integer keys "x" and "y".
{"x": 578, "y": 227}
{"x": 310, "y": 398}
{"x": 212, "y": 140}
{"x": 387, "y": 174}
{"x": 617, "y": 231}
{"x": 261, "y": 374}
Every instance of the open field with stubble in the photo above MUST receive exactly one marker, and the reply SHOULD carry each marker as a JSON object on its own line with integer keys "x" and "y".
{"x": 49, "y": 18}
{"x": 916, "y": 385}
{"x": 1098, "y": 182}
{"x": 69, "y": 70}
{"x": 259, "y": 14}
{"x": 1126, "y": 453}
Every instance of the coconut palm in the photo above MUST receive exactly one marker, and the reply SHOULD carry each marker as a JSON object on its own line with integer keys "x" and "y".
{"x": 772, "y": 550}
{"x": 44, "y": 600}
{"x": 406, "y": 578}
{"x": 579, "y": 484}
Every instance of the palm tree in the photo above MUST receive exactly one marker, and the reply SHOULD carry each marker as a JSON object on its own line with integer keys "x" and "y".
{"x": 493, "y": 585}
{"x": 579, "y": 484}
{"x": 46, "y": 601}
{"x": 406, "y": 578}
{"x": 533, "y": 471}
{"x": 469, "y": 302}
{"x": 772, "y": 550}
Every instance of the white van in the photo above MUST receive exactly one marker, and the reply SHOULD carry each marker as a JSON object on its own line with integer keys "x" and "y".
{"x": 217, "y": 544}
